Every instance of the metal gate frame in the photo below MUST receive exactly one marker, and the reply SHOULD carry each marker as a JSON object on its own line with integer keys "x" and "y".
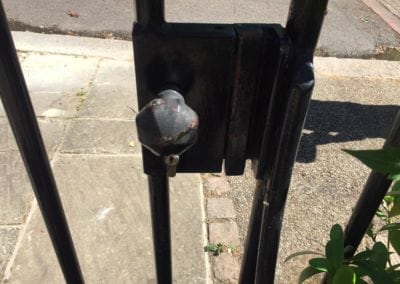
{"x": 291, "y": 83}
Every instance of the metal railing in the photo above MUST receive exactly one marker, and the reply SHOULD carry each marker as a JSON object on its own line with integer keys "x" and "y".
{"x": 208, "y": 94}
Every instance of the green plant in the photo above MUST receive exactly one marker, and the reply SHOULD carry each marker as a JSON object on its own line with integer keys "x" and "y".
{"x": 372, "y": 263}
{"x": 216, "y": 249}
{"x": 81, "y": 94}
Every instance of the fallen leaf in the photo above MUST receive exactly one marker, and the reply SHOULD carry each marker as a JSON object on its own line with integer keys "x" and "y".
{"x": 108, "y": 35}
{"x": 73, "y": 13}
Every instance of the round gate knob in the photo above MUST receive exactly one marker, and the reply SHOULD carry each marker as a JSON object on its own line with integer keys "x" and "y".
{"x": 166, "y": 125}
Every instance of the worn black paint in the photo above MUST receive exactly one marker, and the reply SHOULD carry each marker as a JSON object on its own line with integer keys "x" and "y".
{"x": 160, "y": 217}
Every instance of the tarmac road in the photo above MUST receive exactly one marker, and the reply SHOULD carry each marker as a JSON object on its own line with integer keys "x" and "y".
{"x": 351, "y": 28}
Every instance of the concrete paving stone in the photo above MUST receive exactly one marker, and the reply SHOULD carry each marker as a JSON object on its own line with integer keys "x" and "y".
{"x": 7, "y": 140}
{"x": 220, "y": 208}
{"x": 51, "y": 130}
{"x": 8, "y": 239}
{"x": 226, "y": 268}
{"x": 188, "y": 229}
{"x": 58, "y": 73}
{"x": 226, "y": 233}
{"x": 56, "y": 104}
{"x": 217, "y": 185}
{"x": 101, "y": 136}
{"x": 107, "y": 205}
{"x": 113, "y": 92}
{"x": 16, "y": 192}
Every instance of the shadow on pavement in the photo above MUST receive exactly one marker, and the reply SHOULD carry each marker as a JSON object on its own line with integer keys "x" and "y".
{"x": 335, "y": 122}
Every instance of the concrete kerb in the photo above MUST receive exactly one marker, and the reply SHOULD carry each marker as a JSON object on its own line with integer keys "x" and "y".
{"x": 73, "y": 45}
{"x": 123, "y": 50}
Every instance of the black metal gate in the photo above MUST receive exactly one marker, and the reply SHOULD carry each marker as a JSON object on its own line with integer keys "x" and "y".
{"x": 209, "y": 94}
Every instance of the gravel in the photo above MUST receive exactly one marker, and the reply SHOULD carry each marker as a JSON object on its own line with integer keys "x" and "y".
{"x": 345, "y": 113}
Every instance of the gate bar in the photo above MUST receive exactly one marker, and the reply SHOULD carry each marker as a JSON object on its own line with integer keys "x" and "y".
{"x": 303, "y": 26}
{"x": 15, "y": 97}
{"x": 150, "y": 12}
{"x": 277, "y": 186}
{"x": 160, "y": 217}
{"x": 371, "y": 197}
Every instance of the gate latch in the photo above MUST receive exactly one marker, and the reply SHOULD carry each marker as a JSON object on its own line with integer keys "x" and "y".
{"x": 167, "y": 127}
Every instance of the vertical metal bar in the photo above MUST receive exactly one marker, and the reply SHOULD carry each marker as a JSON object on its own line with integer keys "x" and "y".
{"x": 150, "y": 12}
{"x": 373, "y": 193}
{"x": 160, "y": 216}
{"x": 286, "y": 117}
{"x": 305, "y": 22}
{"x": 249, "y": 260}
{"x": 264, "y": 166}
{"x": 17, "y": 104}
{"x": 277, "y": 184}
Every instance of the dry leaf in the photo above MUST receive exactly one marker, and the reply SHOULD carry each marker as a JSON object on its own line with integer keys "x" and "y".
{"x": 73, "y": 13}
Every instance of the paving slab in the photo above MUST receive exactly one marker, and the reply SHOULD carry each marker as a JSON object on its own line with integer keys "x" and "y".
{"x": 113, "y": 92}
{"x": 8, "y": 238}
{"x": 52, "y": 73}
{"x": 55, "y": 104}
{"x": 52, "y": 131}
{"x": 100, "y": 136}
{"x": 16, "y": 193}
{"x": 107, "y": 205}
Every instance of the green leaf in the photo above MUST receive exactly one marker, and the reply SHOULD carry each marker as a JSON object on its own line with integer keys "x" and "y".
{"x": 380, "y": 214}
{"x": 390, "y": 227}
{"x": 302, "y": 253}
{"x": 388, "y": 199}
{"x": 321, "y": 264}
{"x": 381, "y": 255}
{"x": 395, "y": 177}
{"x": 377, "y": 275}
{"x": 360, "y": 271}
{"x": 363, "y": 255}
{"x": 307, "y": 273}
{"x": 395, "y": 276}
{"x": 386, "y": 161}
{"x": 344, "y": 275}
{"x": 396, "y": 189}
{"x": 394, "y": 239}
{"x": 210, "y": 248}
{"x": 336, "y": 233}
{"x": 334, "y": 253}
